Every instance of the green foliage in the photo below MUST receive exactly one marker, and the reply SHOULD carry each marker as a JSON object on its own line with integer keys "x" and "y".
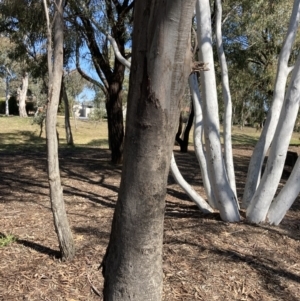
{"x": 6, "y": 240}
{"x": 253, "y": 35}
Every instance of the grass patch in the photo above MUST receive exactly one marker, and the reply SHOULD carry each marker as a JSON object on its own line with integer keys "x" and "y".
{"x": 21, "y": 132}
{"x": 16, "y": 131}
{"x": 5, "y": 240}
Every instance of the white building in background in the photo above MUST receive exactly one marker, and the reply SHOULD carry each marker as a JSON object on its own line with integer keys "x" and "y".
{"x": 84, "y": 109}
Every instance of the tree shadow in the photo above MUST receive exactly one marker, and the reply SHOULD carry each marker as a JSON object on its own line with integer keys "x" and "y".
{"x": 39, "y": 248}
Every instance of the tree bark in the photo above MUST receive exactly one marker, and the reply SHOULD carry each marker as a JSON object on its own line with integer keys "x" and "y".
{"x": 198, "y": 136}
{"x": 132, "y": 266}
{"x": 286, "y": 197}
{"x": 7, "y": 94}
{"x": 193, "y": 195}
{"x": 22, "y": 95}
{"x": 228, "y": 157}
{"x": 55, "y": 68}
{"x": 112, "y": 78}
{"x": 269, "y": 128}
{"x": 68, "y": 129}
{"x": 225, "y": 197}
{"x": 184, "y": 143}
{"x": 114, "y": 108}
{"x": 259, "y": 205}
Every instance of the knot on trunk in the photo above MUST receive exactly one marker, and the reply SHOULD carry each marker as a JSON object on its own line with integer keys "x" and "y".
{"x": 199, "y": 66}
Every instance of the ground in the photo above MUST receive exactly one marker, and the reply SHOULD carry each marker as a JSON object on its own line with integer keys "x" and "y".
{"x": 203, "y": 257}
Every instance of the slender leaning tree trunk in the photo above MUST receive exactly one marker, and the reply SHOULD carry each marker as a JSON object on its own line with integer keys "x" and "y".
{"x": 55, "y": 67}
{"x": 225, "y": 196}
{"x": 132, "y": 266}
{"x": 22, "y": 95}
{"x": 286, "y": 197}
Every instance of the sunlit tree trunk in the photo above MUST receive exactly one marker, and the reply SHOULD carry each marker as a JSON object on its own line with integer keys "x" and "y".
{"x": 22, "y": 95}
{"x": 228, "y": 158}
{"x": 269, "y": 128}
{"x": 55, "y": 67}
{"x": 193, "y": 195}
{"x": 225, "y": 197}
{"x": 198, "y": 136}
{"x": 7, "y": 92}
{"x": 132, "y": 266}
{"x": 259, "y": 205}
{"x": 286, "y": 197}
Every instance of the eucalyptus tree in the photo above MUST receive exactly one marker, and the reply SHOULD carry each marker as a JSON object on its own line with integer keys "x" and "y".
{"x": 132, "y": 266}
{"x": 17, "y": 23}
{"x": 252, "y": 40}
{"x": 268, "y": 132}
{"x": 55, "y": 41}
{"x": 115, "y": 18}
{"x": 278, "y": 130}
{"x": 6, "y": 69}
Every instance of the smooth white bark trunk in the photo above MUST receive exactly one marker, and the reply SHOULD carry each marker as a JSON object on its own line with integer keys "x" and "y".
{"x": 286, "y": 197}
{"x": 269, "y": 128}
{"x": 228, "y": 158}
{"x": 259, "y": 205}
{"x": 225, "y": 197}
{"x": 22, "y": 95}
{"x": 198, "y": 135}
{"x": 193, "y": 195}
{"x": 7, "y": 94}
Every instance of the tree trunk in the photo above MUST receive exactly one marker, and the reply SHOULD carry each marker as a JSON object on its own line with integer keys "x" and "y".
{"x": 55, "y": 67}
{"x": 193, "y": 195}
{"x": 259, "y": 205}
{"x": 198, "y": 136}
{"x": 68, "y": 129}
{"x": 184, "y": 143}
{"x": 286, "y": 197}
{"x": 269, "y": 128}
{"x": 112, "y": 78}
{"x": 228, "y": 157}
{"x": 114, "y": 110}
{"x": 132, "y": 266}
{"x": 7, "y": 95}
{"x": 22, "y": 95}
{"x": 225, "y": 197}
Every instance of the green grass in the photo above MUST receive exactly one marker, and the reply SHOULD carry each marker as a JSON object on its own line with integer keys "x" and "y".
{"x": 15, "y": 131}
{"x": 5, "y": 240}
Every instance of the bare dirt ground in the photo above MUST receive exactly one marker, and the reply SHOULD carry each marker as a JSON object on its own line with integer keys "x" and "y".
{"x": 204, "y": 258}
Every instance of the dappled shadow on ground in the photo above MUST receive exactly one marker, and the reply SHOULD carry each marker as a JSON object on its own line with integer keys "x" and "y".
{"x": 10, "y": 141}
{"x": 204, "y": 258}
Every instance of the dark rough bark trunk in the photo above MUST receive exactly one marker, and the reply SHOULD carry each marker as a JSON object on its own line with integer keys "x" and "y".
{"x": 61, "y": 223}
{"x": 115, "y": 114}
{"x": 111, "y": 78}
{"x": 184, "y": 143}
{"x": 68, "y": 129}
{"x": 132, "y": 266}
